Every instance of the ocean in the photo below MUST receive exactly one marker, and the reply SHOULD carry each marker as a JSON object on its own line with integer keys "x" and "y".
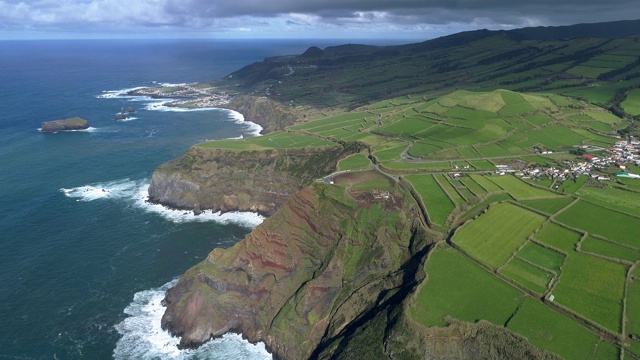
{"x": 84, "y": 260}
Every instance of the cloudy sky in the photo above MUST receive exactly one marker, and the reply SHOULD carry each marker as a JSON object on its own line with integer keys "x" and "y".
{"x": 349, "y": 19}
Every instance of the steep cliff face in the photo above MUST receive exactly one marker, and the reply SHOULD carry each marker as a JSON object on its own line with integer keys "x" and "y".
{"x": 306, "y": 275}
{"x": 243, "y": 180}
{"x": 267, "y": 113}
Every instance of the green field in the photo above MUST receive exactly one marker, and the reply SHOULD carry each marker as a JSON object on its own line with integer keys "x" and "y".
{"x": 571, "y": 186}
{"x": 459, "y": 288}
{"x": 354, "y": 162}
{"x": 527, "y": 275}
{"x": 275, "y": 140}
{"x": 541, "y": 256}
{"x": 519, "y": 189}
{"x": 631, "y": 104}
{"x": 433, "y": 197}
{"x": 548, "y": 329}
{"x": 594, "y": 288}
{"x": 595, "y": 219}
{"x": 558, "y": 237}
{"x": 612, "y": 197}
{"x": 488, "y": 185}
{"x": 492, "y": 244}
{"x": 633, "y": 309}
{"x": 548, "y": 206}
{"x": 612, "y": 250}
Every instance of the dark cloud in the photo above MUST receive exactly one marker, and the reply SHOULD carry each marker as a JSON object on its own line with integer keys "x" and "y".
{"x": 304, "y": 17}
{"x": 506, "y": 12}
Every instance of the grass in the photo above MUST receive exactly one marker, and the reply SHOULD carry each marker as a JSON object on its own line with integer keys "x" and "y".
{"x": 605, "y": 248}
{"x": 550, "y": 330}
{"x": 390, "y": 153}
{"x": 595, "y": 219}
{"x": 519, "y": 189}
{"x": 491, "y": 244}
{"x": 633, "y": 309}
{"x": 457, "y": 287}
{"x": 542, "y": 257}
{"x": 354, "y": 162}
{"x": 612, "y": 197}
{"x": 482, "y": 165}
{"x": 487, "y": 184}
{"x": 275, "y": 140}
{"x": 631, "y": 104}
{"x": 571, "y": 186}
{"x": 549, "y": 206}
{"x": 527, "y": 275}
{"x": 594, "y": 288}
{"x": 433, "y": 197}
{"x": 558, "y": 237}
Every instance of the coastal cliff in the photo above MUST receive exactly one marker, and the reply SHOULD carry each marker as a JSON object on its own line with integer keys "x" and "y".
{"x": 262, "y": 111}
{"x": 308, "y": 273}
{"x": 241, "y": 180}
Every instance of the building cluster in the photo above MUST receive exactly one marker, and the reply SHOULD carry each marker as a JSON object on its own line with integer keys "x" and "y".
{"x": 622, "y": 154}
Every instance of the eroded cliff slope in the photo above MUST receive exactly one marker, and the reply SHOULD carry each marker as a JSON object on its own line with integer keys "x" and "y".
{"x": 308, "y": 273}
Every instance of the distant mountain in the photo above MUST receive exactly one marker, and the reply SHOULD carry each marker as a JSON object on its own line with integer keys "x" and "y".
{"x": 609, "y": 30}
{"x": 563, "y": 59}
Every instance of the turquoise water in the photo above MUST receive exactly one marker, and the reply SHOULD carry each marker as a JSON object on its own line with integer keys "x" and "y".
{"x": 84, "y": 261}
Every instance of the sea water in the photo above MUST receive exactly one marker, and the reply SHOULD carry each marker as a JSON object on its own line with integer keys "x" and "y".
{"x": 84, "y": 259}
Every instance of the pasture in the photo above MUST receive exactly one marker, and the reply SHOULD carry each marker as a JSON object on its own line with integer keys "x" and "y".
{"x": 550, "y": 330}
{"x": 594, "y": 288}
{"x": 609, "y": 249}
{"x": 613, "y": 225}
{"x": 548, "y": 206}
{"x": 459, "y": 288}
{"x": 491, "y": 244}
{"x": 527, "y": 275}
{"x": 275, "y": 140}
{"x": 519, "y": 189}
{"x": 354, "y": 162}
{"x": 433, "y": 197}
{"x": 541, "y": 256}
{"x": 558, "y": 237}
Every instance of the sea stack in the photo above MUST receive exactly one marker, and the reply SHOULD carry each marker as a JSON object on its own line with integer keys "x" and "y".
{"x": 74, "y": 123}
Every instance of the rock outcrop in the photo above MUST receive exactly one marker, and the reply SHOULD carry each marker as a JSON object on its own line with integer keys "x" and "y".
{"x": 241, "y": 180}
{"x": 74, "y": 123}
{"x": 262, "y": 111}
{"x": 307, "y": 274}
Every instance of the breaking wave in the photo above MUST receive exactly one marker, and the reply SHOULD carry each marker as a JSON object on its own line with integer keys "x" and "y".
{"x": 136, "y": 192}
{"x": 143, "y": 338}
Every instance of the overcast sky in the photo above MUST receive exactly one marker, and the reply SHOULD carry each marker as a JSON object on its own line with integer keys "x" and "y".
{"x": 348, "y": 19}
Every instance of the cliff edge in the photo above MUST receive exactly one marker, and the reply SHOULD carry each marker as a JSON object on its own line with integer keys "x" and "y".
{"x": 242, "y": 180}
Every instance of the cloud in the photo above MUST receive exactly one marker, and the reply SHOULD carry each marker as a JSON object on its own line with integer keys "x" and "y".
{"x": 304, "y": 16}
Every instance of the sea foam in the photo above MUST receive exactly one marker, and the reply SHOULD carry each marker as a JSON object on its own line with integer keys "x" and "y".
{"x": 143, "y": 337}
{"x": 136, "y": 192}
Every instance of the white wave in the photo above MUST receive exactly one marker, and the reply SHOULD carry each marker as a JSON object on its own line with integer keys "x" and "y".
{"x": 118, "y": 189}
{"x": 137, "y": 192}
{"x": 252, "y": 128}
{"x": 89, "y": 129}
{"x": 248, "y": 219}
{"x": 127, "y": 119}
{"x": 143, "y": 337}
{"x": 118, "y": 94}
{"x": 161, "y": 105}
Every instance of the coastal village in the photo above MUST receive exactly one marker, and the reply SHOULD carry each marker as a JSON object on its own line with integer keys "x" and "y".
{"x": 192, "y": 95}
{"x": 621, "y": 157}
